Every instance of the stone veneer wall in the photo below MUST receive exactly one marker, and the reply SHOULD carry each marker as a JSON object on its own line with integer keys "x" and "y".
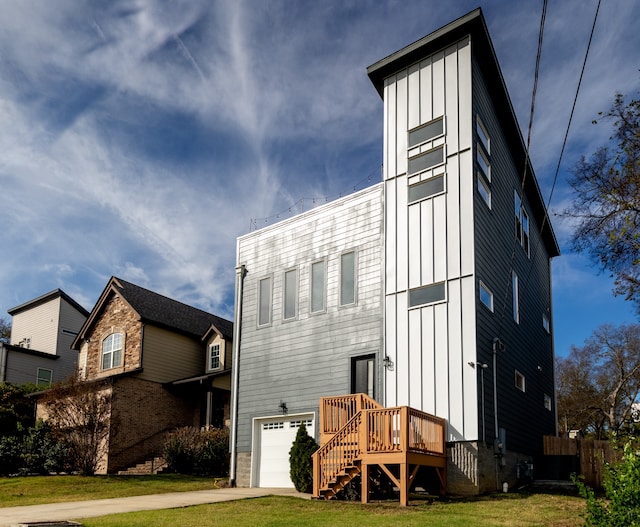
{"x": 243, "y": 469}
{"x": 117, "y": 317}
{"x": 142, "y": 412}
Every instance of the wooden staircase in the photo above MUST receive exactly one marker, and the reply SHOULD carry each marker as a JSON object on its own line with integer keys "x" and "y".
{"x": 357, "y": 433}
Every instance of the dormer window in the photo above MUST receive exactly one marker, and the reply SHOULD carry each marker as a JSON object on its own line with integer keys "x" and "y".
{"x": 214, "y": 357}
{"x": 112, "y": 351}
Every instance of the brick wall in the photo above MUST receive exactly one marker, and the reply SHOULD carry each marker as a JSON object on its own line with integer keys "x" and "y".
{"x": 117, "y": 317}
{"x": 142, "y": 411}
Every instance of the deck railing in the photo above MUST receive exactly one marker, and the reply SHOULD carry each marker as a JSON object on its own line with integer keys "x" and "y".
{"x": 335, "y": 412}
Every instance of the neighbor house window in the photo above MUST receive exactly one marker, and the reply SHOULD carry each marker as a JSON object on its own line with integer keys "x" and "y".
{"x": 317, "y": 286}
{"x": 290, "y": 297}
{"x": 214, "y": 356}
{"x": 516, "y": 293}
{"x": 112, "y": 351}
{"x": 348, "y": 278}
{"x": 426, "y": 160}
{"x": 264, "y": 302}
{"x": 426, "y": 189}
{"x": 44, "y": 377}
{"x": 520, "y": 381}
{"x": 486, "y": 296}
{"x": 426, "y": 132}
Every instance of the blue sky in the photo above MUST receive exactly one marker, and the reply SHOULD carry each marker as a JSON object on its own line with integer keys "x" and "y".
{"x": 140, "y": 138}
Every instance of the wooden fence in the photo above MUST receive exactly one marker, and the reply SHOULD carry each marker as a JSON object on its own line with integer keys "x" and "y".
{"x": 590, "y": 455}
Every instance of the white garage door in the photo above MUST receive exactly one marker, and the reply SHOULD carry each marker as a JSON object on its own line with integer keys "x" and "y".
{"x": 276, "y": 438}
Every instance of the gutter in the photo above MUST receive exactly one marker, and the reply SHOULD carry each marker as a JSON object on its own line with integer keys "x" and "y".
{"x": 241, "y": 272}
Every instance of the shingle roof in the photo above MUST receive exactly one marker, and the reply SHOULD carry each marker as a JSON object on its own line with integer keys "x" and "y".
{"x": 163, "y": 311}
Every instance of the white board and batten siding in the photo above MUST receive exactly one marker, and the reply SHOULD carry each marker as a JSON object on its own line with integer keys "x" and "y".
{"x": 431, "y": 241}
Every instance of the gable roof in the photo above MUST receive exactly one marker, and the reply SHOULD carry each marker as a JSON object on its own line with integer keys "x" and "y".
{"x": 474, "y": 24}
{"x": 47, "y": 297}
{"x": 158, "y": 310}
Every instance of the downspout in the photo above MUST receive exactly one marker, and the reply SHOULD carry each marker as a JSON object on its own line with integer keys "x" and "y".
{"x": 237, "y": 322}
{"x": 498, "y": 446}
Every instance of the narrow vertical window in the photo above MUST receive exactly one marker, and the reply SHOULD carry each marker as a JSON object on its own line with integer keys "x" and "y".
{"x": 317, "y": 286}
{"x": 486, "y": 296}
{"x": 546, "y": 324}
{"x": 264, "y": 302}
{"x": 348, "y": 278}
{"x": 483, "y": 136}
{"x": 517, "y": 208}
{"x": 520, "y": 384}
{"x": 525, "y": 232}
{"x": 516, "y": 293}
{"x": 290, "y": 294}
{"x": 547, "y": 402}
{"x": 214, "y": 356}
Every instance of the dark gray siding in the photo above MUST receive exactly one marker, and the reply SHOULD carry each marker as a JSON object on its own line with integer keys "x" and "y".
{"x": 528, "y": 346}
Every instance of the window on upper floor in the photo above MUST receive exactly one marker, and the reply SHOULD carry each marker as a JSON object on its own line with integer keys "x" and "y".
{"x": 426, "y": 132}
{"x": 547, "y": 402}
{"x": 426, "y": 160}
{"x": 318, "y": 286}
{"x": 348, "y": 278}
{"x": 483, "y": 136}
{"x": 519, "y": 380}
{"x": 426, "y": 189}
{"x": 515, "y": 291}
{"x": 214, "y": 362}
{"x": 290, "y": 296}
{"x": 112, "y": 351}
{"x": 483, "y": 163}
{"x": 428, "y": 294}
{"x": 521, "y": 222}
{"x": 486, "y": 296}
{"x": 546, "y": 323}
{"x": 44, "y": 377}
{"x": 264, "y": 301}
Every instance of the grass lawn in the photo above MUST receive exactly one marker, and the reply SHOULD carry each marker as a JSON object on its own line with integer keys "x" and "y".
{"x": 36, "y": 490}
{"x": 509, "y": 510}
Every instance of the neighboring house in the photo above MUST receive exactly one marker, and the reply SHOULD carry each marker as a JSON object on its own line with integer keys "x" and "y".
{"x": 430, "y": 290}
{"x": 167, "y": 365}
{"x": 42, "y": 331}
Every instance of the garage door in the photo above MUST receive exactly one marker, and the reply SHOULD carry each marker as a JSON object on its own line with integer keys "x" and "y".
{"x": 276, "y": 438}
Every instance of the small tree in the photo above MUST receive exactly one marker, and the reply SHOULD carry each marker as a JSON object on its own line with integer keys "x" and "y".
{"x": 16, "y": 408}
{"x": 300, "y": 461}
{"x": 79, "y": 413}
{"x": 189, "y": 450}
{"x": 621, "y": 504}
{"x": 5, "y": 330}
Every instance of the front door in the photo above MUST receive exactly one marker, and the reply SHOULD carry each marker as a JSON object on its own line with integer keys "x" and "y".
{"x": 363, "y": 375}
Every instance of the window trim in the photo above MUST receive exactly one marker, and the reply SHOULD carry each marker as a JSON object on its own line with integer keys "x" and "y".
{"x": 47, "y": 382}
{"x": 354, "y": 301}
{"x": 210, "y": 356}
{"x": 483, "y": 287}
{"x": 425, "y": 288}
{"x": 520, "y": 381}
{"x": 323, "y": 262}
{"x": 112, "y": 352}
{"x": 295, "y": 294}
{"x": 269, "y": 298}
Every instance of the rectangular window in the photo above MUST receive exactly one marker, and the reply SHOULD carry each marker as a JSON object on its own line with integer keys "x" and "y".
{"x": 483, "y": 164}
{"x": 317, "y": 286}
{"x": 517, "y": 210}
{"x": 426, "y": 132}
{"x": 348, "y": 278}
{"x": 546, "y": 324}
{"x": 44, "y": 377}
{"x": 484, "y": 189}
{"x": 520, "y": 381}
{"x": 214, "y": 356}
{"x": 264, "y": 302}
{"x": 522, "y": 223}
{"x": 428, "y": 294}
{"x": 483, "y": 136}
{"x": 426, "y": 189}
{"x": 516, "y": 293}
{"x": 547, "y": 402}
{"x": 290, "y": 294}
{"x": 525, "y": 232}
{"x": 486, "y": 296}
{"x": 427, "y": 160}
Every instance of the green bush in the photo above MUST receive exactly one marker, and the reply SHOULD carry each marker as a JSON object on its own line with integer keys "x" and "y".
{"x": 9, "y": 455}
{"x": 189, "y": 450}
{"x": 16, "y": 409}
{"x": 621, "y": 505}
{"x": 300, "y": 461}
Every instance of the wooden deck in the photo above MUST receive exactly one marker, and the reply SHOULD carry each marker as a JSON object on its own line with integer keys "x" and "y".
{"x": 356, "y": 433}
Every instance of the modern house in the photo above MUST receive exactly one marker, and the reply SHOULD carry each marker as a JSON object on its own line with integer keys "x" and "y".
{"x": 42, "y": 331}
{"x": 429, "y": 291}
{"x": 166, "y": 365}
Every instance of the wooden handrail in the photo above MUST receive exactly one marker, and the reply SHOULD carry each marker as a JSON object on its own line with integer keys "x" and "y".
{"x": 335, "y": 412}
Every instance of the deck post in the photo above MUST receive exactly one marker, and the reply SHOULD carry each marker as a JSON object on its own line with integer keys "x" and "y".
{"x": 404, "y": 484}
{"x": 364, "y": 490}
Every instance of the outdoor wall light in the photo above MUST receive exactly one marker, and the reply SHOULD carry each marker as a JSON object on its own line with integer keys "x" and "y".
{"x": 388, "y": 363}
{"x": 283, "y": 407}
